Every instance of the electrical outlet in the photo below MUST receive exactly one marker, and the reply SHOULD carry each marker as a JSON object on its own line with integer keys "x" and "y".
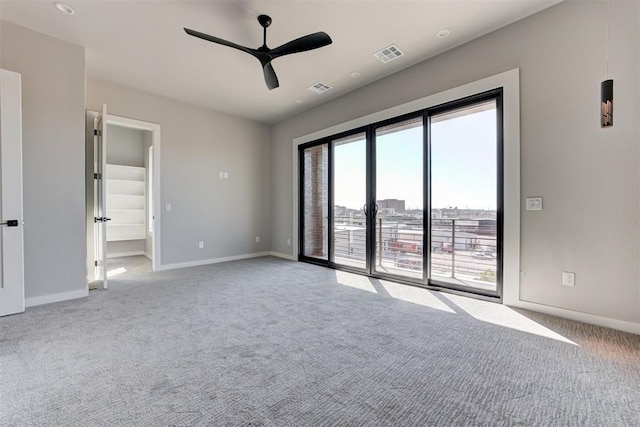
{"x": 288, "y": 242}
{"x": 201, "y": 245}
{"x": 257, "y": 239}
{"x": 568, "y": 279}
{"x": 167, "y": 207}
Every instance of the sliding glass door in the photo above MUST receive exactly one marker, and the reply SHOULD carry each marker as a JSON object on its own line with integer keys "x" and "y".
{"x": 417, "y": 198}
{"x": 464, "y": 197}
{"x": 349, "y": 201}
{"x": 398, "y": 223}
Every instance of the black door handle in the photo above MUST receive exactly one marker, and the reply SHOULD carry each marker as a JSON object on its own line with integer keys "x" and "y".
{"x": 10, "y": 223}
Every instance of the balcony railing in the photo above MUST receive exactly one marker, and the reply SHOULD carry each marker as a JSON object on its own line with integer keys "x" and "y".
{"x": 462, "y": 251}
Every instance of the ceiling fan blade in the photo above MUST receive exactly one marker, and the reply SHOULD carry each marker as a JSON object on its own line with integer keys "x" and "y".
{"x": 312, "y": 41}
{"x": 270, "y": 76}
{"x": 213, "y": 39}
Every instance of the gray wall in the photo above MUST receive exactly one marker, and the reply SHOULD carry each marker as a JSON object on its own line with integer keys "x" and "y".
{"x": 588, "y": 176}
{"x": 125, "y": 146}
{"x": 53, "y": 95}
{"x": 197, "y": 144}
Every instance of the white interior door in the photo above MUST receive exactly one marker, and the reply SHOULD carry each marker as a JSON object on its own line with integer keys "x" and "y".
{"x": 11, "y": 230}
{"x": 100, "y": 197}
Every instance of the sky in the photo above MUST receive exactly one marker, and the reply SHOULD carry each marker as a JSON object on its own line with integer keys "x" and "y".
{"x": 463, "y": 165}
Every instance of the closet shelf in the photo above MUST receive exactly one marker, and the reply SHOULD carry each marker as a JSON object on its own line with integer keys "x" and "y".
{"x": 125, "y": 202}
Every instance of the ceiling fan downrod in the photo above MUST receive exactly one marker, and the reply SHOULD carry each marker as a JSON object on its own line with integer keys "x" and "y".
{"x": 264, "y": 21}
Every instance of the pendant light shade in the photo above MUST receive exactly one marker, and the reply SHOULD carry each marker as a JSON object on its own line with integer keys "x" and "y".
{"x": 606, "y": 103}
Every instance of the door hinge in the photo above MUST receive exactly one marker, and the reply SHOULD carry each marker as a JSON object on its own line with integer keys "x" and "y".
{"x": 97, "y": 176}
{"x": 95, "y": 263}
{"x": 96, "y": 132}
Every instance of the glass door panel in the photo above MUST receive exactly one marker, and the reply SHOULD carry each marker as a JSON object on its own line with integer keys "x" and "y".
{"x": 464, "y": 197}
{"x": 349, "y": 237}
{"x": 315, "y": 221}
{"x": 398, "y": 220}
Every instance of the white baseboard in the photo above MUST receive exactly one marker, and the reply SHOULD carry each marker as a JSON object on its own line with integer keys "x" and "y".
{"x": 51, "y": 298}
{"x": 211, "y": 261}
{"x": 281, "y": 255}
{"x": 147, "y": 256}
{"x": 125, "y": 254}
{"x": 592, "y": 319}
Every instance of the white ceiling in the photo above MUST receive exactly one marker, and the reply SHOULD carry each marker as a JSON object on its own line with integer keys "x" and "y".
{"x": 141, "y": 43}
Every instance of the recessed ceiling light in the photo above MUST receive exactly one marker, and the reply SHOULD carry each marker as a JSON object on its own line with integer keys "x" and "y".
{"x": 355, "y": 75}
{"x": 443, "y": 33}
{"x": 299, "y": 101}
{"x": 64, "y": 8}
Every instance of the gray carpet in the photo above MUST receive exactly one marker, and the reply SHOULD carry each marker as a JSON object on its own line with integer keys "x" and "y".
{"x": 268, "y": 342}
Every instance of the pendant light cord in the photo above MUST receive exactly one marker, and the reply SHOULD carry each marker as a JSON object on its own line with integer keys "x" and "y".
{"x": 607, "y": 47}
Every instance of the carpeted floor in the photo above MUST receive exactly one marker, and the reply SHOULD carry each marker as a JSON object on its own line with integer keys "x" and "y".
{"x": 268, "y": 342}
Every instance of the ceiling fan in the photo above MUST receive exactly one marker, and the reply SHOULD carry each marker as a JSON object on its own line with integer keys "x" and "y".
{"x": 266, "y": 55}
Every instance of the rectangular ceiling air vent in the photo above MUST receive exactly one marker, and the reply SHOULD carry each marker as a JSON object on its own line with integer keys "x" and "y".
{"x": 319, "y": 87}
{"x": 388, "y": 54}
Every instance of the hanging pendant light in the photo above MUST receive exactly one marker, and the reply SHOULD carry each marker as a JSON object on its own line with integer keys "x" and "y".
{"x": 606, "y": 87}
{"x": 606, "y": 103}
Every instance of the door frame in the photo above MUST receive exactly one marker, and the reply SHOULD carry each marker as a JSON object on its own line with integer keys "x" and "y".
{"x": 154, "y": 128}
{"x": 509, "y": 82}
{"x": 370, "y": 135}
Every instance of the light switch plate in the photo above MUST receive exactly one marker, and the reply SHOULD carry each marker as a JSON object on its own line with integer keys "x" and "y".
{"x": 221, "y": 175}
{"x": 226, "y": 175}
{"x": 534, "y": 203}
{"x": 167, "y": 207}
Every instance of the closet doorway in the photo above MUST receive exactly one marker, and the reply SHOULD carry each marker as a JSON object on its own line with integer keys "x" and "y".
{"x": 123, "y": 196}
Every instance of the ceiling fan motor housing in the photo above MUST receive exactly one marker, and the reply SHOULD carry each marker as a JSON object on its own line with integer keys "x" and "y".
{"x": 264, "y": 20}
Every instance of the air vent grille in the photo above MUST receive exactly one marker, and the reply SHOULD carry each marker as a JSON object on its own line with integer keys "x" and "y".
{"x": 319, "y": 87}
{"x": 388, "y": 54}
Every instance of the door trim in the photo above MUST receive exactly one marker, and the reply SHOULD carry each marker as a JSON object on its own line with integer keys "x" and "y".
{"x": 155, "y": 130}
